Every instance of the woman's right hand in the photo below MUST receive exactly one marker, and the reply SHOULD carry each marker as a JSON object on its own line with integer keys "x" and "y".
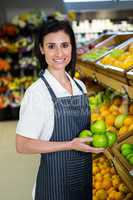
{"x": 79, "y": 144}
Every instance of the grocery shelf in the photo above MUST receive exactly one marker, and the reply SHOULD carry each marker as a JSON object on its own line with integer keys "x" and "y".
{"x": 90, "y": 70}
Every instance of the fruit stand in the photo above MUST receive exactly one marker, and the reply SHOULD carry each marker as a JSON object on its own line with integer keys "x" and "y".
{"x": 109, "y": 81}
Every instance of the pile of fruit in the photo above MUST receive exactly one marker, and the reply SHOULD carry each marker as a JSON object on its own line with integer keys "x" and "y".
{"x": 107, "y": 185}
{"x": 120, "y": 58}
{"x": 127, "y": 151}
{"x": 101, "y": 137}
{"x": 102, "y": 97}
{"x": 117, "y": 114}
{"x": 94, "y": 55}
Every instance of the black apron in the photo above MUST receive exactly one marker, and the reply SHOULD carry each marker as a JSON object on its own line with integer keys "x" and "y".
{"x": 66, "y": 175}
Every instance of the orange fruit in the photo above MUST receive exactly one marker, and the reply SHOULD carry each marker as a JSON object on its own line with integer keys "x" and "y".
{"x": 119, "y": 196}
{"x": 113, "y": 108}
{"x": 98, "y": 177}
{"x": 103, "y": 171}
{"x": 123, "y": 130}
{"x": 109, "y": 190}
{"x": 94, "y": 116}
{"x": 111, "y": 195}
{"x": 94, "y": 197}
{"x": 109, "y": 120}
{"x": 128, "y": 121}
{"x": 116, "y": 112}
{"x": 107, "y": 176}
{"x": 97, "y": 185}
{"x": 116, "y": 183}
{"x": 106, "y": 184}
{"x": 95, "y": 170}
{"x": 101, "y": 194}
{"x": 104, "y": 113}
{"x": 103, "y": 107}
{"x": 130, "y": 128}
{"x": 115, "y": 176}
{"x": 123, "y": 188}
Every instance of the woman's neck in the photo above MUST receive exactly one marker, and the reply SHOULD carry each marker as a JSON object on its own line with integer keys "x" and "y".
{"x": 60, "y": 75}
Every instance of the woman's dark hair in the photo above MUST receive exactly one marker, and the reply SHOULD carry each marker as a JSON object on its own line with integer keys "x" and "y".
{"x": 50, "y": 26}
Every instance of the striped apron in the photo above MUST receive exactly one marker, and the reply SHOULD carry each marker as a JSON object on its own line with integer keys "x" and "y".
{"x": 66, "y": 175}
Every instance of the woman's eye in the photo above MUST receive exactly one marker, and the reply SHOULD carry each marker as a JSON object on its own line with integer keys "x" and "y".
{"x": 65, "y": 45}
{"x": 51, "y": 46}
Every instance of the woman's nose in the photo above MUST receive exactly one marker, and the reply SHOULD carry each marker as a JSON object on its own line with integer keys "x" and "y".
{"x": 59, "y": 52}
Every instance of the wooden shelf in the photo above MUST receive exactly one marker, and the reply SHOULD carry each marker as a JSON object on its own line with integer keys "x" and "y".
{"x": 89, "y": 70}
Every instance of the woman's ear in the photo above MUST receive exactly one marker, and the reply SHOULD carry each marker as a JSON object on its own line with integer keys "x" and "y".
{"x": 41, "y": 49}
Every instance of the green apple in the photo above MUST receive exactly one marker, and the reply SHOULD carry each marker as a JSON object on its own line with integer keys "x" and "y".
{"x": 100, "y": 141}
{"x": 112, "y": 138}
{"x": 127, "y": 151}
{"x": 129, "y": 155}
{"x": 131, "y": 160}
{"x": 85, "y": 133}
{"x": 98, "y": 127}
{"x": 119, "y": 120}
{"x": 126, "y": 146}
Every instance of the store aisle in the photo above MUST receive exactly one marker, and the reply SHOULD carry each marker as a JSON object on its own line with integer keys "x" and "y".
{"x": 17, "y": 172}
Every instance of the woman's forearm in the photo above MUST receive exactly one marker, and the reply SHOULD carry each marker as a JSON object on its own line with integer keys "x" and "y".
{"x": 35, "y": 146}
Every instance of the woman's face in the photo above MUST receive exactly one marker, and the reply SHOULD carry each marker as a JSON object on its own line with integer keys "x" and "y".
{"x": 57, "y": 50}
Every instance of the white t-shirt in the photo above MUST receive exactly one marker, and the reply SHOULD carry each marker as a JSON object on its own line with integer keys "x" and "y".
{"x": 36, "y": 118}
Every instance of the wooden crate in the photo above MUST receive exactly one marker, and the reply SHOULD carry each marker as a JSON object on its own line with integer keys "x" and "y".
{"x": 130, "y": 77}
{"x": 120, "y": 157}
{"x": 117, "y": 74}
{"x": 124, "y": 136}
{"x": 123, "y": 173}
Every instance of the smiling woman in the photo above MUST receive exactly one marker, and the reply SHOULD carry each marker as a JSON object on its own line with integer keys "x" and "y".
{"x": 51, "y": 125}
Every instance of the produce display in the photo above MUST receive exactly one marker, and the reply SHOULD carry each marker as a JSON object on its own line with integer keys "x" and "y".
{"x": 107, "y": 184}
{"x": 121, "y": 58}
{"x": 95, "y": 54}
{"x": 111, "y": 123}
{"x": 115, "y": 110}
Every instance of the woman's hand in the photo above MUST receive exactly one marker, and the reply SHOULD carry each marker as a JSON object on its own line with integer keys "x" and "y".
{"x": 79, "y": 144}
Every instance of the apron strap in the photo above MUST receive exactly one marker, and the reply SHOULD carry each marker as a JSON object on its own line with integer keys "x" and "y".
{"x": 81, "y": 89}
{"x": 47, "y": 85}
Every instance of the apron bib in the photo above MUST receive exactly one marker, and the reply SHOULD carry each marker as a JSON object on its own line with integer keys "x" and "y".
{"x": 66, "y": 175}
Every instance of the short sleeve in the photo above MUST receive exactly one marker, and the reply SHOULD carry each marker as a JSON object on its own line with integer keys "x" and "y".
{"x": 31, "y": 117}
